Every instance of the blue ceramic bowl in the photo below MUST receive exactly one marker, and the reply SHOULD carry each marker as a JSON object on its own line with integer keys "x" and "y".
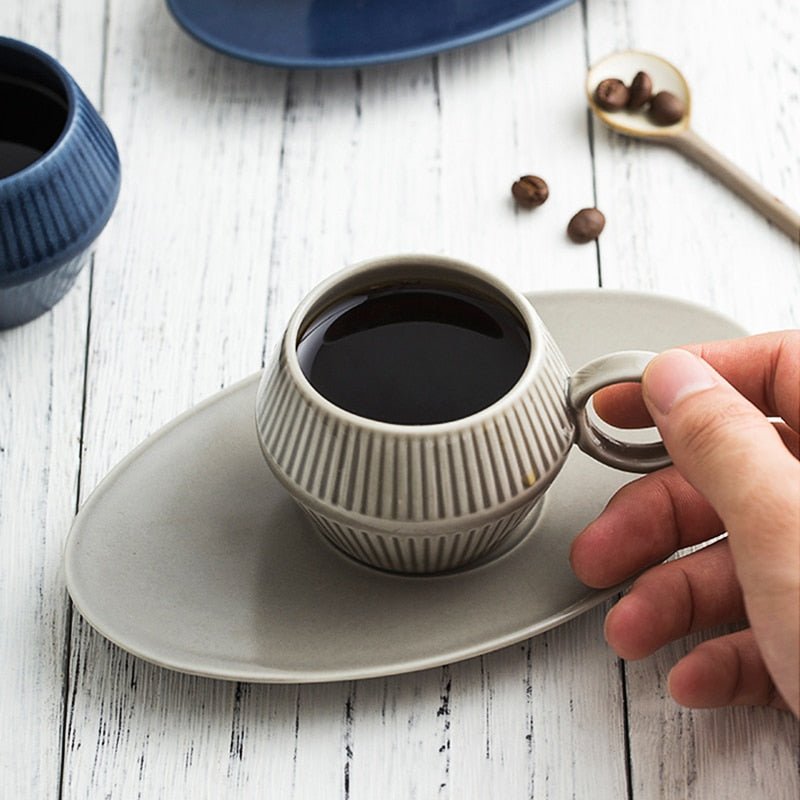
{"x": 54, "y": 208}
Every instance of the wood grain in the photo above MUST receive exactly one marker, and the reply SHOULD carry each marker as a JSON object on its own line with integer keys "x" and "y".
{"x": 242, "y": 187}
{"x": 674, "y": 229}
{"x": 41, "y": 401}
{"x": 346, "y": 165}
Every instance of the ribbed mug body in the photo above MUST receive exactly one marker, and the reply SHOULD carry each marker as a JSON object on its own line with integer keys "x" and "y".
{"x": 416, "y": 498}
{"x": 52, "y": 210}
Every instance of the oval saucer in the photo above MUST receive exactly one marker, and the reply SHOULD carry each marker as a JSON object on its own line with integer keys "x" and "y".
{"x": 190, "y": 555}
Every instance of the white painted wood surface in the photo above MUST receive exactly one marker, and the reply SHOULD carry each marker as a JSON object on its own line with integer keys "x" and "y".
{"x": 242, "y": 187}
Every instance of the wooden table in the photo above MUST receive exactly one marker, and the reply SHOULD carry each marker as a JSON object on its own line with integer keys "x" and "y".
{"x": 242, "y": 187}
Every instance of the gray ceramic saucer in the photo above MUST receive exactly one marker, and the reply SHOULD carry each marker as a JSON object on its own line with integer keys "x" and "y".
{"x": 190, "y": 555}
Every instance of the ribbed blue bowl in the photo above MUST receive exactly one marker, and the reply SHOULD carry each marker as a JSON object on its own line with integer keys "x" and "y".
{"x": 52, "y": 210}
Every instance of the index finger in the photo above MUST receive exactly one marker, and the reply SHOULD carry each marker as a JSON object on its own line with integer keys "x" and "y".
{"x": 764, "y": 368}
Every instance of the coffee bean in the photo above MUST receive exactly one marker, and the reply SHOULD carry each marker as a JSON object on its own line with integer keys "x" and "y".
{"x": 611, "y": 94}
{"x": 586, "y": 225}
{"x": 666, "y": 109}
{"x": 530, "y": 191}
{"x": 641, "y": 90}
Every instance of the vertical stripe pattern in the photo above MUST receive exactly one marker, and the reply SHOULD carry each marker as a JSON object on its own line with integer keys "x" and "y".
{"x": 52, "y": 211}
{"x": 378, "y": 494}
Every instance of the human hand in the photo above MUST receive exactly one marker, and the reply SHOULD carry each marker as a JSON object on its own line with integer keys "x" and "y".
{"x": 732, "y": 470}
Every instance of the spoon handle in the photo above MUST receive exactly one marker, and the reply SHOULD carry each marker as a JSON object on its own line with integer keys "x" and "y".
{"x": 692, "y": 145}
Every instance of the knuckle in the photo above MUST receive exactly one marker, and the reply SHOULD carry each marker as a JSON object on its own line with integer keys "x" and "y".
{"x": 784, "y": 373}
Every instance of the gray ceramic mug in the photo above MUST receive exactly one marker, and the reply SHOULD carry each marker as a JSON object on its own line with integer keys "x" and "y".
{"x": 433, "y": 497}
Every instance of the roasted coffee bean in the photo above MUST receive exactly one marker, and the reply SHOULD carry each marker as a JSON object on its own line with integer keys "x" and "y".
{"x": 611, "y": 94}
{"x": 641, "y": 90}
{"x": 666, "y": 109}
{"x": 530, "y": 191}
{"x": 586, "y": 225}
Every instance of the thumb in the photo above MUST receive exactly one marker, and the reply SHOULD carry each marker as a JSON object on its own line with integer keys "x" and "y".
{"x": 731, "y": 453}
{"x": 722, "y": 444}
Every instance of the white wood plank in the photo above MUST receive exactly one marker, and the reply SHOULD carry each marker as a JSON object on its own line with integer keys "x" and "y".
{"x": 137, "y": 729}
{"x": 713, "y": 755}
{"x": 673, "y": 229}
{"x": 41, "y": 383}
{"x": 543, "y": 719}
{"x": 509, "y": 107}
{"x": 41, "y": 386}
{"x": 540, "y": 719}
{"x": 179, "y": 298}
{"x": 386, "y": 195}
{"x": 514, "y": 106}
{"x": 179, "y": 308}
{"x": 356, "y": 179}
{"x": 401, "y": 743}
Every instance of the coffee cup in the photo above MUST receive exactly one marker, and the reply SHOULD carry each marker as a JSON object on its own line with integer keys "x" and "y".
{"x": 59, "y": 181}
{"x": 417, "y": 409}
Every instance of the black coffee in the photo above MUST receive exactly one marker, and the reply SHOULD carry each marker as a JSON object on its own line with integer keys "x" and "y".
{"x": 414, "y": 356}
{"x": 31, "y": 120}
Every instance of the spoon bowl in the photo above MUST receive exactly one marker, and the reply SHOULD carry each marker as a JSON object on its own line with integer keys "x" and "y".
{"x": 624, "y": 65}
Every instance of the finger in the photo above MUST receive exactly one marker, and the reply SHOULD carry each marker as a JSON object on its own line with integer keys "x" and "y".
{"x": 622, "y": 405}
{"x": 643, "y": 523}
{"x": 728, "y": 671}
{"x": 675, "y": 599}
{"x": 731, "y": 454}
{"x": 790, "y": 438}
{"x": 729, "y": 451}
{"x": 765, "y": 369}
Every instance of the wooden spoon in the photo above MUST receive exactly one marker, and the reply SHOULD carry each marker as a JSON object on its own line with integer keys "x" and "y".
{"x": 624, "y": 65}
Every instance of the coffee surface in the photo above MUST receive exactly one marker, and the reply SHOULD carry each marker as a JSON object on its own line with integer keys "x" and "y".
{"x": 31, "y": 120}
{"x": 414, "y": 356}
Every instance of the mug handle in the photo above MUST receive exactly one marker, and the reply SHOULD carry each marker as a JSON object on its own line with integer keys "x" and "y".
{"x": 624, "y": 367}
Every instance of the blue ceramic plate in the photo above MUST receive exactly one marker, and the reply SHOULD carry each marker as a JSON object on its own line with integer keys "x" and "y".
{"x": 349, "y": 33}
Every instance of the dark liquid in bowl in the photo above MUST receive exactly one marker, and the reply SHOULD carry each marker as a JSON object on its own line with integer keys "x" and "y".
{"x": 31, "y": 120}
{"x": 414, "y": 356}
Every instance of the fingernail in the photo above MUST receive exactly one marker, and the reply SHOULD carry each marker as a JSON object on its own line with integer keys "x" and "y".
{"x": 605, "y": 626}
{"x": 674, "y": 375}
{"x": 608, "y": 617}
